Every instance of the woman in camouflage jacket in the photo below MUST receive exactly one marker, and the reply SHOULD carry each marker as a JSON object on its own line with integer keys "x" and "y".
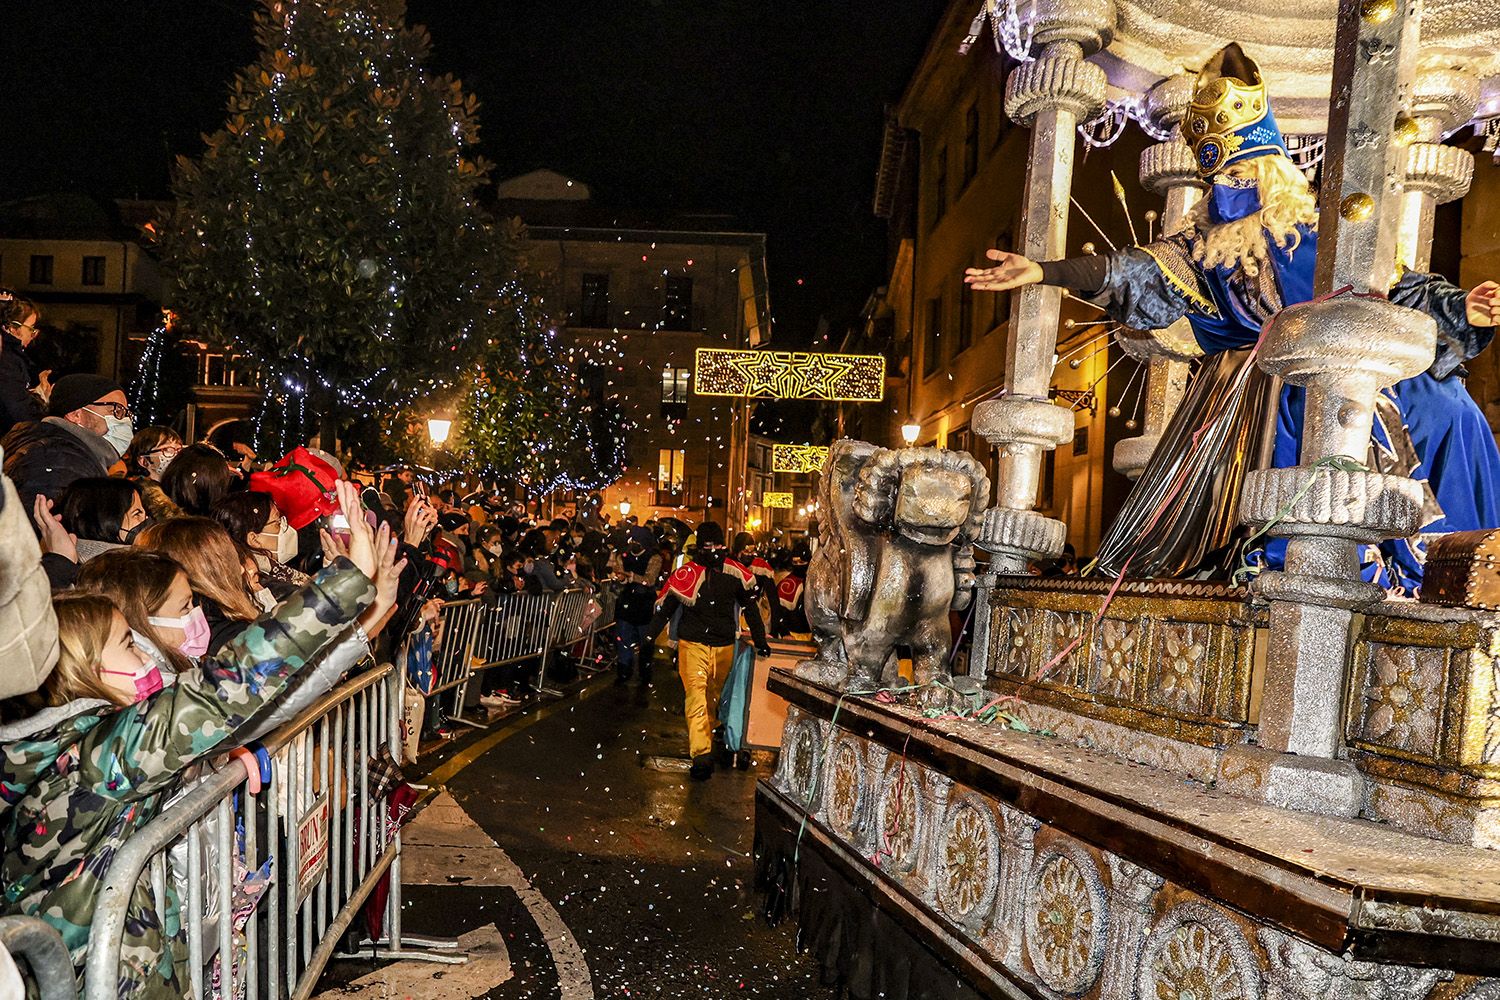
{"x": 76, "y": 789}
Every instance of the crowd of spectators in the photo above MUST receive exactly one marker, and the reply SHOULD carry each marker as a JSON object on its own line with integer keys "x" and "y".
{"x": 199, "y": 597}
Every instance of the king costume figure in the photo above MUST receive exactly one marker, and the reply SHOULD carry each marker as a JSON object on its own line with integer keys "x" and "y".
{"x": 1247, "y": 250}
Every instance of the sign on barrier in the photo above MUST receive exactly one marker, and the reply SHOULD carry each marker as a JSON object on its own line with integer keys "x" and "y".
{"x": 312, "y": 846}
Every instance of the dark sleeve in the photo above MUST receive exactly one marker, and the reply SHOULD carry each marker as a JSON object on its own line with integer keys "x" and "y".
{"x": 1146, "y": 288}
{"x": 61, "y": 571}
{"x": 1084, "y": 275}
{"x": 663, "y": 615}
{"x": 17, "y": 404}
{"x": 751, "y": 611}
{"x": 1458, "y": 340}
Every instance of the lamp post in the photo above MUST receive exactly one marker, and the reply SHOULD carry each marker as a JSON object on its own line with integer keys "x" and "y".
{"x": 624, "y": 508}
{"x": 438, "y": 429}
{"x": 909, "y": 433}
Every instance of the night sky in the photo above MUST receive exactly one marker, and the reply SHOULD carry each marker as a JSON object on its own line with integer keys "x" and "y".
{"x": 766, "y": 110}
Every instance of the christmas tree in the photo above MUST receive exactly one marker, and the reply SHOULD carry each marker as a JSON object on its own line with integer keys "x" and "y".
{"x": 328, "y": 231}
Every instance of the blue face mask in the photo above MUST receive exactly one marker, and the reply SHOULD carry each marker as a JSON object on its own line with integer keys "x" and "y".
{"x": 1230, "y": 200}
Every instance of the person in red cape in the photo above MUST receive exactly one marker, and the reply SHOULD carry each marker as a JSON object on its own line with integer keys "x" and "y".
{"x": 711, "y": 592}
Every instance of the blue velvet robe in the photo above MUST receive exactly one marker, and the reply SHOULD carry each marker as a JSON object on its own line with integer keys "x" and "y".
{"x": 1151, "y": 287}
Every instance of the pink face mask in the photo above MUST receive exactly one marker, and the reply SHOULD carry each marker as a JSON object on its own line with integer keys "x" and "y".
{"x": 195, "y": 631}
{"x": 146, "y": 684}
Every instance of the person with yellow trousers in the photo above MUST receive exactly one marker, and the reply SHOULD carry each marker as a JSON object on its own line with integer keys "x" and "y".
{"x": 711, "y": 592}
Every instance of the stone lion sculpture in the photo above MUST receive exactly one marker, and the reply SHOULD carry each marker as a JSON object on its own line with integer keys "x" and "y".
{"x": 896, "y": 556}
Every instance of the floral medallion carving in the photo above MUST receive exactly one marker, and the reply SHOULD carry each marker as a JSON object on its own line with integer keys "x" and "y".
{"x": 1197, "y": 953}
{"x": 1180, "y": 666}
{"x": 1403, "y": 697}
{"x": 970, "y": 858}
{"x": 846, "y": 786}
{"x": 802, "y": 769}
{"x": 899, "y": 814}
{"x": 1115, "y": 657}
{"x": 1066, "y": 919}
{"x": 1066, "y": 633}
{"x": 1012, "y": 640}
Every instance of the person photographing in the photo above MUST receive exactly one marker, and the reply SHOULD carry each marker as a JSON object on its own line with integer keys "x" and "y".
{"x": 711, "y": 592}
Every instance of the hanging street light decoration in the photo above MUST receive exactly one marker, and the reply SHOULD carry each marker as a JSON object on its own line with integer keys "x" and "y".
{"x": 842, "y": 378}
{"x": 797, "y": 459}
{"x": 782, "y": 500}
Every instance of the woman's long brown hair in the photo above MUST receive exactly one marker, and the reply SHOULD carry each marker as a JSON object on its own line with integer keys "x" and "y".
{"x": 202, "y": 547}
{"x": 137, "y": 582}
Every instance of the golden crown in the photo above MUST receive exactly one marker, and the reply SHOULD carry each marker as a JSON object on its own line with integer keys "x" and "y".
{"x": 1229, "y": 117}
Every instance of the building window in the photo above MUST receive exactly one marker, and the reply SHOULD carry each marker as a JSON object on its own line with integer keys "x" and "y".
{"x": 93, "y": 270}
{"x": 41, "y": 269}
{"x": 669, "y": 476}
{"x": 932, "y": 336}
{"x": 965, "y": 318}
{"x": 971, "y": 143}
{"x": 939, "y": 185}
{"x": 594, "y": 303}
{"x": 677, "y": 303}
{"x": 675, "y": 383}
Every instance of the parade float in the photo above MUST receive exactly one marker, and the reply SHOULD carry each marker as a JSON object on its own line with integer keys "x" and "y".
{"x": 1203, "y": 788}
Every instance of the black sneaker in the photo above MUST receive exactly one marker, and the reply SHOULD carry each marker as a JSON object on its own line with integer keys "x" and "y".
{"x": 742, "y": 760}
{"x": 703, "y": 768}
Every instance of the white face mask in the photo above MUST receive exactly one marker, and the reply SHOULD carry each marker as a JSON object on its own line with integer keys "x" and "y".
{"x": 286, "y": 542}
{"x": 118, "y": 431}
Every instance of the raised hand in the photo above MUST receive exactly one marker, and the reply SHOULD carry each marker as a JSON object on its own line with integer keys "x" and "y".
{"x": 1483, "y": 304}
{"x": 1011, "y": 270}
{"x": 55, "y": 538}
{"x": 387, "y": 581}
{"x": 420, "y": 518}
{"x": 361, "y": 550}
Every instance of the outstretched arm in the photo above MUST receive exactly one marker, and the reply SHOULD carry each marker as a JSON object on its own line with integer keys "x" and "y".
{"x": 1147, "y": 288}
{"x": 1466, "y": 321}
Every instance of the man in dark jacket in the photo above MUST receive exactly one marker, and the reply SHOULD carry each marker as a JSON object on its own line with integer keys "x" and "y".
{"x": 712, "y": 593}
{"x": 18, "y": 404}
{"x": 87, "y": 429}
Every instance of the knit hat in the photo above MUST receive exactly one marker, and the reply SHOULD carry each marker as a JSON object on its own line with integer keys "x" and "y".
{"x": 73, "y": 392}
{"x": 744, "y": 540}
{"x": 710, "y": 533}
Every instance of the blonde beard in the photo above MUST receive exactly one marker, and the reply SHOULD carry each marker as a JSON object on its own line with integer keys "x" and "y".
{"x": 1286, "y": 203}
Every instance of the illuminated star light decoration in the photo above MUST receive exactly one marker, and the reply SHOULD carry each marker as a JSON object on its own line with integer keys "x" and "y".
{"x": 845, "y": 378}
{"x": 782, "y": 500}
{"x": 798, "y": 458}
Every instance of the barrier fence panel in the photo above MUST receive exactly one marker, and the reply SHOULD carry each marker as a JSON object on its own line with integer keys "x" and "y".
{"x": 268, "y": 881}
{"x": 40, "y": 946}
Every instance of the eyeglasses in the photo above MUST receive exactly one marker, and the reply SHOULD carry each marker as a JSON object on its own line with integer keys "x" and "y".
{"x": 169, "y": 450}
{"x": 23, "y": 326}
{"x": 117, "y": 410}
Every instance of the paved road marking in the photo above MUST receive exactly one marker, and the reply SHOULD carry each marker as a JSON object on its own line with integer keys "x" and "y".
{"x": 444, "y": 840}
{"x": 446, "y": 771}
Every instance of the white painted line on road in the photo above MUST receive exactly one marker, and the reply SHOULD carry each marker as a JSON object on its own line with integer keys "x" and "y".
{"x": 443, "y": 843}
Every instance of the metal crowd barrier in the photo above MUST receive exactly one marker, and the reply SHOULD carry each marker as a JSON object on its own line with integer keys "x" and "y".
{"x": 41, "y": 947}
{"x": 272, "y": 879}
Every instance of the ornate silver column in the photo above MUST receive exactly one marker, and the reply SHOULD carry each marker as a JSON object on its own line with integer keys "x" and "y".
{"x": 1342, "y": 350}
{"x": 1052, "y": 95}
{"x": 1167, "y": 169}
{"x": 1442, "y": 99}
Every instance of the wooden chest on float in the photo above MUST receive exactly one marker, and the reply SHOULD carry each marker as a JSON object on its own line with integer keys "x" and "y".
{"x": 1463, "y": 570}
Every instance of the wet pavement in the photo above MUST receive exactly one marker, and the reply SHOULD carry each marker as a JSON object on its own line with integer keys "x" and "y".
{"x": 578, "y": 862}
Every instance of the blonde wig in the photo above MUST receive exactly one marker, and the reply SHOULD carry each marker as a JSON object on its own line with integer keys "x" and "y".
{"x": 1286, "y": 201}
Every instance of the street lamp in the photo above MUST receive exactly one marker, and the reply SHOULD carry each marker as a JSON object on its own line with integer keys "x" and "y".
{"x": 909, "y": 433}
{"x": 624, "y": 508}
{"x": 437, "y": 430}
